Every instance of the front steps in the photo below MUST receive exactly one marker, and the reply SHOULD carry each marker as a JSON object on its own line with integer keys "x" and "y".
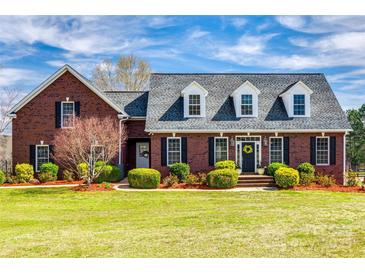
{"x": 255, "y": 181}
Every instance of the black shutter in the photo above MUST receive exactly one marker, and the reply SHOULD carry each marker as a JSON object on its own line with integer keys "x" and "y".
{"x": 184, "y": 150}
{"x": 211, "y": 150}
{"x": 32, "y": 156}
{"x": 333, "y": 150}
{"x": 51, "y": 153}
{"x": 58, "y": 114}
{"x": 286, "y": 150}
{"x": 77, "y": 109}
{"x": 163, "y": 151}
{"x": 313, "y": 150}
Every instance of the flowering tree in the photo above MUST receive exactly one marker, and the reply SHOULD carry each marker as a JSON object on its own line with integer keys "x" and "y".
{"x": 89, "y": 141}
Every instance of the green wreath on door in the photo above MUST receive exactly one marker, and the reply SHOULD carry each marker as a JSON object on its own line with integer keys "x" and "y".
{"x": 247, "y": 149}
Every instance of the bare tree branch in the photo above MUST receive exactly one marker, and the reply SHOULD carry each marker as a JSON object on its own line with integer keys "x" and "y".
{"x": 130, "y": 74}
{"x": 8, "y": 97}
{"x": 77, "y": 145}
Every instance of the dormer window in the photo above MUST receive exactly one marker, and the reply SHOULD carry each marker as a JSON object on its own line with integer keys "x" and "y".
{"x": 194, "y": 105}
{"x": 297, "y": 100}
{"x": 194, "y": 100}
{"x": 299, "y": 104}
{"x": 246, "y": 99}
{"x": 246, "y": 104}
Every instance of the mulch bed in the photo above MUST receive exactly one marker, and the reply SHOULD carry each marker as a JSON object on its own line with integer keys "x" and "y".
{"x": 335, "y": 188}
{"x": 185, "y": 186}
{"x": 93, "y": 187}
{"x": 53, "y": 183}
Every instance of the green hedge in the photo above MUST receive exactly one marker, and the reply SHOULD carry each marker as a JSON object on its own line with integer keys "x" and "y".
{"x": 222, "y": 178}
{"x": 181, "y": 170}
{"x": 48, "y": 172}
{"x": 274, "y": 167}
{"x": 2, "y": 177}
{"x": 286, "y": 177}
{"x": 225, "y": 164}
{"x": 82, "y": 170}
{"x": 24, "y": 173}
{"x": 306, "y": 168}
{"x": 144, "y": 178}
{"x": 110, "y": 173}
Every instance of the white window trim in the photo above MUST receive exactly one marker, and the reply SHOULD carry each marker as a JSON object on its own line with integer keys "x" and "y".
{"x": 239, "y": 147}
{"x": 167, "y": 149}
{"x": 36, "y": 156}
{"x": 194, "y": 89}
{"x": 282, "y": 147}
{"x": 247, "y": 88}
{"x": 74, "y": 114}
{"x": 215, "y": 138}
{"x": 328, "y": 150}
{"x": 299, "y": 115}
{"x": 200, "y": 105}
{"x": 252, "y": 105}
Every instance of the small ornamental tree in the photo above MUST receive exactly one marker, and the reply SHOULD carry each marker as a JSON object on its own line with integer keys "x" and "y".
{"x": 89, "y": 141}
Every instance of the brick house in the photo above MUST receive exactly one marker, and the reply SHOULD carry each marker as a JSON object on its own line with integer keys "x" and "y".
{"x": 253, "y": 119}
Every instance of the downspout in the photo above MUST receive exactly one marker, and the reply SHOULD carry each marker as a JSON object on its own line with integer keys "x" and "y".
{"x": 120, "y": 139}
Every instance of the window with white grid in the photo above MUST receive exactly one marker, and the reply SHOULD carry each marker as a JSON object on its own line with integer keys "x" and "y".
{"x": 68, "y": 114}
{"x": 221, "y": 148}
{"x": 322, "y": 150}
{"x": 299, "y": 104}
{"x": 276, "y": 149}
{"x": 246, "y": 104}
{"x": 173, "y": 150}
{"x": 194, "y": 104}
{"x": 42, "y": 156}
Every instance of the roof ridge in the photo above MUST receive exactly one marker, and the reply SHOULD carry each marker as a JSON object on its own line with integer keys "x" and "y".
{"x": 124, "y": 91}
{"x": 238, "y": 73}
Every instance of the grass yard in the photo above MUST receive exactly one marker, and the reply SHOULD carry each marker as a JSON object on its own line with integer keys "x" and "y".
{"x": 62, "y": 223}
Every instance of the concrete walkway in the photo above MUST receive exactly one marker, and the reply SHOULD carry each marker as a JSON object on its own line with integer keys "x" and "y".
{"x": 124, "y": 186}
{"x": 37, "y": 186}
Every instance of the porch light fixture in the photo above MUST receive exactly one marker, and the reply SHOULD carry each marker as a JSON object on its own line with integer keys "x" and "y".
{"x": 173, "y": 134}
{"x": 42, "y": 142}
{"x": 322, "y": 134}
{"x": 67, "y": 99}
{"x": 231, "y": 142}
{"x": 221, "y": 134}
{"x": 276, "y": 134}
{"x": 265, "y": 141}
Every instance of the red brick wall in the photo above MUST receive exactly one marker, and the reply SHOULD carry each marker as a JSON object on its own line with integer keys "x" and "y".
{"x": 36, "y": 120}
{"x": 299, "y": 147}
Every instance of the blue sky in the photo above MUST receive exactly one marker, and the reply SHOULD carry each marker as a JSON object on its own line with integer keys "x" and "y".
{"x": 33, "y": 47}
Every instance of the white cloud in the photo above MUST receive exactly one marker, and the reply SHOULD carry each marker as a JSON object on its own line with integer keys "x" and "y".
{"x": 238, "y": 22}
{"x": 197, "y": 33}
{"x": 14, "y": 76}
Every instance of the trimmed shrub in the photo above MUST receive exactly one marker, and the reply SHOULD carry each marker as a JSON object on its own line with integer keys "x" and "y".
{"x": 222, "y": 178}
{"x": 2, "y": 177}
{"x": 306, "y": 168}
{"x": 144, "y": 178}
{"x": 181, "y": 170}
{"x": 170, "y": 180}
{"x": 286, "y": 177}
{"x": 202, "y": 178}
{"x": 68, "y": 176}
{"x": 273, "y": 167}
{"x": 110, "y": 173}
{"x": 225, "y": 164}
{"x": 325, "y": 180}
{"x": 306, "y": 179}
{"x": 51, "y": 169}
{"x": 46, "y": 177}
{"x": 116, "y": 174}
{"x": 24, "y": 173}
{"x": 192, "y": 179}
{"x": 82, "y": 170}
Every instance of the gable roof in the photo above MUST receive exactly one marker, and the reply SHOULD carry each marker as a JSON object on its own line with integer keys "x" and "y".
{"x": 194, "y": 86}
{"x": 292, "y": 87}
{"x": 165, "y": 106}
{"x": 246, "y": 85}
{"x": 54, "y": 77}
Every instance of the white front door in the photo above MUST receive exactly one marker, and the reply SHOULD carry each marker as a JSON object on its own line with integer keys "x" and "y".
{"x": 143, "y": 155}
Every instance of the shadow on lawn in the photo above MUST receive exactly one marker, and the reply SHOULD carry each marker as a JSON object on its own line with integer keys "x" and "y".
{"x": 37, "y": 191}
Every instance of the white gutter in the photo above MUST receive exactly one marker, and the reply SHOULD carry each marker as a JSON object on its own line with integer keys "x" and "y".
{"x": 344, "y": 158}
{"x": 251, "y": 131}
{"x": 121, "y": 119}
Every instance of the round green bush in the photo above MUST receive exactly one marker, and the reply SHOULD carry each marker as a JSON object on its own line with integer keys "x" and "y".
{"x": 46, "y": 177}
{"x": 286, "y": 177}
{"x": 274, "y": 167}
{"x": 144, "y": 178}
{"x": 110, "y": 173}
{"x": 116, "y": 174}
{"x": 225, "y": 164}
{"x": 50, "y": 168}
{"x": 222, "y": 178}
{"x": 306, "y": 168}
{"x": 181, "y": 170}
{"x": 2, "y": 177}
{"x": 24, "y": 173}
{"x": 82, "y": 170}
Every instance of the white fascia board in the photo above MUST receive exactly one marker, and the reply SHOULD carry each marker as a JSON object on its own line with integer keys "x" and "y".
{"x": 241, "y": 131}
{"x": 54, "y": 77}
{"x": 299, "y": 83}
{"x": 194, "y": 85}
{"x": 245, "y": 85}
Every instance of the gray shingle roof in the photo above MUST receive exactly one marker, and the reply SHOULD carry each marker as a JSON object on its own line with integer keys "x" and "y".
{"x": 165, "y": 106}
{"x": 134, "y": 103}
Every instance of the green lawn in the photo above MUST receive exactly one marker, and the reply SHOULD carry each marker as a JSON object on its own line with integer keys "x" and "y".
{"x": 62, "y": 223}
